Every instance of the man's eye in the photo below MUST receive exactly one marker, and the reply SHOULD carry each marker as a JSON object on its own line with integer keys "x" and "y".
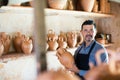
{"x": 85, "y": 30}
{"x": 91, "y": 30}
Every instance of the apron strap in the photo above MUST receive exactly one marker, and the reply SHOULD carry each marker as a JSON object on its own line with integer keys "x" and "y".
{"x": 91, "y": 48}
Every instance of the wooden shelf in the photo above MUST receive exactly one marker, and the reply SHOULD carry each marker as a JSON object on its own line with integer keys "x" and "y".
{"x": 77, "y": 14}
{"x": 13, "y": 56}
{"x": 52, "y": 12}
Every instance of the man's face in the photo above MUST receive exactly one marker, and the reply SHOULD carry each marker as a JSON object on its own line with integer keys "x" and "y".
{"x": 88, "y": 32}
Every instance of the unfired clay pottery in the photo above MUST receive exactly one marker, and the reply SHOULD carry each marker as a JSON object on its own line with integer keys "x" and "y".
{"x": 52, "y": 40}
{"x": 85, "y": 5}
{"x": 57, "y": 4}
{"x": 27, "y": 46}
{"x": 53, "y": 45}
{"x": 62, "y": 40}
{"x": 6, "y": 41}
{"x": 17, "y": 41}
{"x": 79, "y": 38}
{"x": 71, "y": 39}
{"x": 1, "y": 47}
{"x": 65, "y": 58}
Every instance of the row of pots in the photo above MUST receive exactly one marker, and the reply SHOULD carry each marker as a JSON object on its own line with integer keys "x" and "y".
{"x": 85, "y": 5}
{"x": 21, "y": 43}
{"x": 63, "y": 40}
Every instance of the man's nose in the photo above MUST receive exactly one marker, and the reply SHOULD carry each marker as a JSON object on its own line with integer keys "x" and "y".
{"x": 88, "y": 32}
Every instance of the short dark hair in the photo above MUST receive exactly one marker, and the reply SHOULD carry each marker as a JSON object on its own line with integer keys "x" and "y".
{"x": 88, "y": 22}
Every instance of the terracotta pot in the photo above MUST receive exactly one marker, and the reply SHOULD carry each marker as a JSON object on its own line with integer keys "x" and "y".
{"x": 79, "y": 38}
{"x": 51, "y": 36}
{"x": 27, "y": 46}
{"x": 1, "y": 47}
{"x": 101, "y": 41}
{"x": 95, "y": 7}
{"x": 17, "y": 41}
{"x": 33, "y": 42}
{"x": 57, "y": 4}
{"x": 53, "y": 45}
{"x": 6, "y": 41}
{"x": 71, "y": 39}
{"x": 52, "y": 40}
{"x": 6, "y": 44}
{"x": 62, "y": 40}
{"x": 85, "y": 5}
{"x": 65, "y": 58}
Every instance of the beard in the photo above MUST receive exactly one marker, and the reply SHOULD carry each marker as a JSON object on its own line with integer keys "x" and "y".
{"x": 88, "y": 38}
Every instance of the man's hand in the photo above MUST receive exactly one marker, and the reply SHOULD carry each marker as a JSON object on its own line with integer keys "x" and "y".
{"x": 67, "y": 60}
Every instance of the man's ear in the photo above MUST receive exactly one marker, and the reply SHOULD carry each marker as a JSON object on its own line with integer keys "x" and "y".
{"x": 95, "y": 32}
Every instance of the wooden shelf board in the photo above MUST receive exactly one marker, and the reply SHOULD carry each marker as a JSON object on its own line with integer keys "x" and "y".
{"x": 49, "y": 12}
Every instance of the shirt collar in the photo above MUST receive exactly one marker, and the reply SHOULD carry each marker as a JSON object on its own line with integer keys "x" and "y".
{"x": 83, "y": 44}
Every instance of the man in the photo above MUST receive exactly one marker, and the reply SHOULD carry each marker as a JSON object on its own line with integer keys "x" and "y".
{"x": 85, "y": 53}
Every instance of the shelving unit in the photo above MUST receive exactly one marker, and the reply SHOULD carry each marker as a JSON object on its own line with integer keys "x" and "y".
{"x": 53, "y": 12}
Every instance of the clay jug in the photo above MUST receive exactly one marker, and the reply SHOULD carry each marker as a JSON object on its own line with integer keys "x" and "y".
{"x": 52, "y": 40}
{"x": 53, "y": 45}
{"x": 62, "y": 40}
{"x": 1, "y": 47}
{"x": 27, "y": 46}
{"x": 79, "y": 38}
{"x": 57, "y": 4}
{"x": 7, "y": 44}
{"x": 6, "y": 41}
{"x": 71, "y": 39}
{"x": 51, "y": 35}
{"x": 65, "y": 58}
{"x": 33, "y": 42}
{"x": 85, "y": 5}
{"x": 17, "y": 41}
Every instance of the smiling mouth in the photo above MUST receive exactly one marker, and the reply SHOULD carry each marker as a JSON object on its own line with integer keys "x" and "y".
{"x": 89, "y": 36}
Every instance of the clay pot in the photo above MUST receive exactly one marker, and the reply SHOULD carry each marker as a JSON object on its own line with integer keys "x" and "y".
{"x": 52, "y": 40}
{"x": 1, "y": 47}
{"x": 6, "y": 41}
{"x": 79, "y": 38}
{"x": 53, "y": 45}
{"x": 57, "y": 4}
{"x": 51, "y": 36}
{"x": 6, "y": 44}
{"x": 71, "y": 39}
{"x": 101, "y": 41}
{"x": 85, "y": 5}
{"x": 65, "y": 58}
{"x": 95, "y": 7}
{"x": 27, "y": 45}
{"x": 33, "y": 42}
{"x": 62, "y": 40}
{"x": 17, "y": 41}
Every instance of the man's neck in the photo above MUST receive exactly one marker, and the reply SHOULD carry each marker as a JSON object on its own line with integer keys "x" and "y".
{"x": 88, "y": 43}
